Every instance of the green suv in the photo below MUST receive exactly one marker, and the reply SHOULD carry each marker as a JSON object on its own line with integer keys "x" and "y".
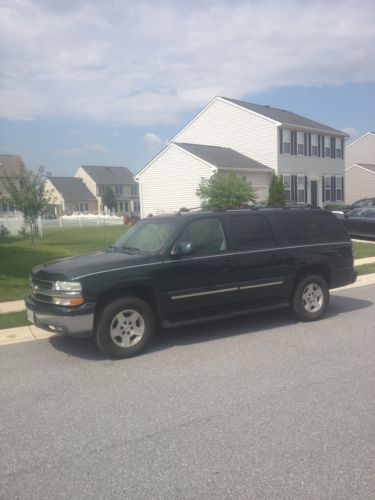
{"x": 191, "y": 267}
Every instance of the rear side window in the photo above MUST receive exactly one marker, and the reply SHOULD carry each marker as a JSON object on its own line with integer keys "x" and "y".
{"x": 250, "y": 231}
{"x": 311, "y": 227}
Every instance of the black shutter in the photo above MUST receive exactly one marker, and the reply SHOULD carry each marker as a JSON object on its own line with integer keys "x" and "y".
{"x": 343, "y": 149}
{"x": 305, "y": 143}
{"x": 333, "y": 188}
{"x": 319, "y": 146}
{"x": 343, "y": 190}
{"x": 323, "y": 192}
{"x": 294, "y": 188}
{"x": 281, "y": 140}
{"x": 323, "y": 143}
{"x": 293, "y": 140}
{"x": 305, "y": 188}
{"x": 333, "y": 147}
{"x": 309, "y": 144}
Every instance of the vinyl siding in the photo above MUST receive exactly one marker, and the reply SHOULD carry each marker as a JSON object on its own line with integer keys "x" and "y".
{"x": 259, "y": 180}
{"x": 361, "y": 151}
{"x": 310, "y": 166}
{"x": 170, "y": 182}
{"x": 359, "y": 183}
{"x": 224, "y": 124}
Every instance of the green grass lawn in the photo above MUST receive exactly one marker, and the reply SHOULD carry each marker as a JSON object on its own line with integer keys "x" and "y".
{"x": 18, "y": 256}
{"x": 365, "y": 269}
{"x": 13, "y": 320}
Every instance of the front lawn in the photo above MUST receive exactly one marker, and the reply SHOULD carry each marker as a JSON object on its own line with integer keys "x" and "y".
{"x": 13, "y": 320}
{"x": 361, "y": 250}
{"x": 18, "y": 256}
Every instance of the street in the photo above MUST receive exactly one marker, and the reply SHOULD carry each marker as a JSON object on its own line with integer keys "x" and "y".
{"x": 258, "y": 407}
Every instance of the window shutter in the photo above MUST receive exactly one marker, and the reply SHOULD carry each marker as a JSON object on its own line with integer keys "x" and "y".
{"x": 292, "y": 142}
{"x": 343, "y": 189}
{"x": 342, "y": 149}
{"x": 305, "y": 188}
{"x": 323, "y": 192}
{"x": 333, "y": 188}
{"x": 305, "y": 143}
{"x": 319, "y": 146}
{"x": 294, "y": 188}
{"x": 309, "y": 144}
{"x": 322, "y": 149}
{"x": 281, "y": 140}
{"x": 333, "y": 147}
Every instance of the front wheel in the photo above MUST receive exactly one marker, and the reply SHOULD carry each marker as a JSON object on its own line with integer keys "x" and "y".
{"x": 125, "y": 327}
{"x": 310, "y": 298}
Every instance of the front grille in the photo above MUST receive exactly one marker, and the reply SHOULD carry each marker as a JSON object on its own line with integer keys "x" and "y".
{"x": 41, "y": 290}
{"x": 46, "y": 285}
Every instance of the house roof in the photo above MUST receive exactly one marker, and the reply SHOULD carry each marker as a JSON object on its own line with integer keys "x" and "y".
{"x": 286, "y": 117}
{"x": 109, "y": 175}
{"x": 223, "y": 158}
{"x": 11, "y": 166}
{"x": 72, "y": 188}
{"x": 367, "y": 166}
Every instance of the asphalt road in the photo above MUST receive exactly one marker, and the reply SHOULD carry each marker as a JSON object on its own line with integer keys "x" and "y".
{"x": 260, "y": 407}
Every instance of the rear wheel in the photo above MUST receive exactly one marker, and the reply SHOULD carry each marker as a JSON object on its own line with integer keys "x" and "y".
{"x": 311, "y": 298}
{"x": 125, "y": 327}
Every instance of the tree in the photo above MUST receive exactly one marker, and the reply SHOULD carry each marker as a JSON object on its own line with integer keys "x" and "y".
{"x": 276, "y": 193}
{"x": 29, "y": 196}
{"x": 220, "y": 191}
{"x": 109, "y": 198}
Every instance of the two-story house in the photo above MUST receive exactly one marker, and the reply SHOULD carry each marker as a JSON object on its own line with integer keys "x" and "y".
{"x": 308, "y": 154}
{"x": 119, "y": 179}
{"x": 12, "y": 169}
{"x": 360, "y": 168}
{"x": 70, "y": 195}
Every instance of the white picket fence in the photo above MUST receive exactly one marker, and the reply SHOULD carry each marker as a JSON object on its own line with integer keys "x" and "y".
{"x": 16, "y": 223}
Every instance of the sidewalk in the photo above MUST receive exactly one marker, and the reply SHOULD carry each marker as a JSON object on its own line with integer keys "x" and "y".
{"x": 19, "y": 305}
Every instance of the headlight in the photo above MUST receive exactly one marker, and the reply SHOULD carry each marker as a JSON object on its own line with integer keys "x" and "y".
{"x": 67, "y": 293}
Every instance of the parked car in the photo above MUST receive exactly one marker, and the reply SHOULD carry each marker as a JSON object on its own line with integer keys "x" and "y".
{"x": 191, "y": 267}
{"x": 360, "y": 222}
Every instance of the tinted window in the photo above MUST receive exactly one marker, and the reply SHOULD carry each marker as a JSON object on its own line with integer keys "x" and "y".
{"x": 206, "y": 236}
{"x": 250, "y": 231}
{"x": 304, "y": 226}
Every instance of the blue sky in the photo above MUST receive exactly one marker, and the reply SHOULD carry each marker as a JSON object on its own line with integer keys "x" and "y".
{"x": 108, "y": 83}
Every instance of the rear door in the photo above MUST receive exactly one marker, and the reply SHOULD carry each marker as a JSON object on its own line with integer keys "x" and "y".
{"x": 260, "y": 260}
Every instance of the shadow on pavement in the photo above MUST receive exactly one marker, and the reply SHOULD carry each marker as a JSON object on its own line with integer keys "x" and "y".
{"x": 206, "y": 332}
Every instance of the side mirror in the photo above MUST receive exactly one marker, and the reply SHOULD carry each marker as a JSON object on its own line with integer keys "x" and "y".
{"x": 182, "y": 248}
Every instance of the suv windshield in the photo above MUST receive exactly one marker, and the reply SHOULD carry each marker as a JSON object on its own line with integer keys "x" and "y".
{"x": 147, "y": 236}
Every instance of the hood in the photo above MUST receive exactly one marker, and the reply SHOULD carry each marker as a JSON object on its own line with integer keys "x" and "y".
{"x": 72, "y": 268}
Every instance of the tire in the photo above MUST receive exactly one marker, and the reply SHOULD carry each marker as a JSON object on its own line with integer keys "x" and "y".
{"x": 125, "y": 327}
{"x": 310, "y": 298}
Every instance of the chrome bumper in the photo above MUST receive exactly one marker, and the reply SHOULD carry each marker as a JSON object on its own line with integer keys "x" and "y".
{"x": 77, "y": 326}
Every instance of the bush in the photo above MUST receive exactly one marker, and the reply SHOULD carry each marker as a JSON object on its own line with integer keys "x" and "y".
{"x": 4, "y": 231}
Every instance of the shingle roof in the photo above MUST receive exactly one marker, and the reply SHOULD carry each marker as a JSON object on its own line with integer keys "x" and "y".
{"x": 368, "y": 166}
{"x": 72, "y": 188}
{"x": 286, "y": 117}
{"x": 11, "y": 166}
{"x": 223, "y": 158}
{"x": 109, "y": 175}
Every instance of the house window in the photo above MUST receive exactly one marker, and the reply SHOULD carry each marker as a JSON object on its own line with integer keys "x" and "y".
{"x": 134, "y": 190}
{"x": 314, "y": 144}
{"x": 244, "y": 177}
{"x": 327, "y": 146}
{"x": 286, "y": 140}
{"x": 126, "y": 206}
{"x": 99, "y": 189}
{"x": 338, "y": 148}
{"x": 339, "y": 193}
{"x": 118, "y": 189}
{"x": 327, "y": 188}
{"x": 300, "y": 143}
{"x": 121, "y": 206}
{"x": 300, "y": 189}
{"x": 287, "y": 187}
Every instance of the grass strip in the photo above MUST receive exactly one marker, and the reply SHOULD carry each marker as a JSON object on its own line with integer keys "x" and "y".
{"x": 365, "y": 269}
{"x": 13, "y": 320}
{"x": 362, "y": 250}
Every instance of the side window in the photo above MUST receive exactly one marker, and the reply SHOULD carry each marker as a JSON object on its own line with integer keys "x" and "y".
{"x": 307, "y": 227}
{"x": 251, "y": 231}
{"x": 206, "y": 236}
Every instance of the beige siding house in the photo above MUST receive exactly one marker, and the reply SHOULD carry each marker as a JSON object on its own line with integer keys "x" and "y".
{"x": 308, "y": 154}
{"x": 70, "y": 195}
{"x": 360, "y": 168}
{"x": 11, "y": 168}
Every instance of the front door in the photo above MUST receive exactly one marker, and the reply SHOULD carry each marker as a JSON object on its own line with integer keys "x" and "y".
{"x": 314, "y": 193}
{"x": 204, "y": 281}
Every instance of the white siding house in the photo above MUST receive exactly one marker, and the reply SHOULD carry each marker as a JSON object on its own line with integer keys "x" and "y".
{"x": 308, "y": 154}
{"x": 360, "y": 168}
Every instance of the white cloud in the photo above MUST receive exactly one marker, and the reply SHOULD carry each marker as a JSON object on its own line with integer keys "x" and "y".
{"x": 85, "y": 148}
{"x": 352, "y": 132}
{"x": 147, "y": 62}
{"x": 153, "y": 141}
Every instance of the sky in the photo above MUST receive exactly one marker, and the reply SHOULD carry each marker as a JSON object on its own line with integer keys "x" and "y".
{"x": 109, "y": 82}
